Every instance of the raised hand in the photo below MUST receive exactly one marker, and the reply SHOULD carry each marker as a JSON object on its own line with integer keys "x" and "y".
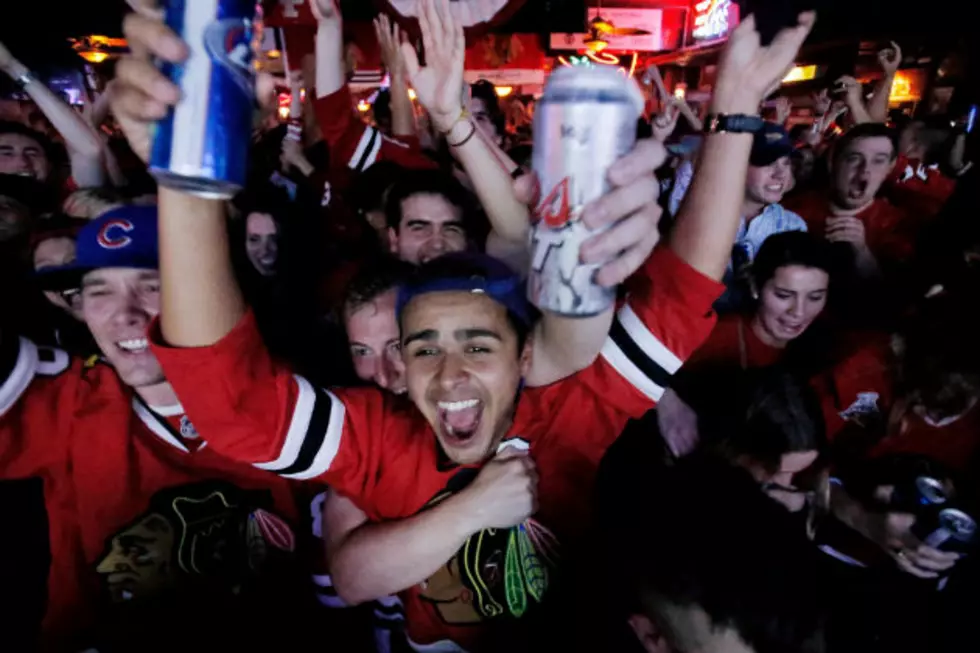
{"x": 665, "y": 122}
{"x": 438, "y": 84}
{"x": 890, "y": 59}
{"x": 629, "y": 213}
{"x": 390, "y": 38}
{"x": 142, "y": 93}
{"x": 325, "y": 10}
{"x": 784, "y": 107}
{"x": 749, "y": 71}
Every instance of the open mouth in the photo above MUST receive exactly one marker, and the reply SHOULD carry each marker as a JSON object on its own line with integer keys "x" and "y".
{"x": 460, "y": 420}
{"x": 133, "y": 345}
{"x": 858, "y": 189}
{"x": 791, "y": 328}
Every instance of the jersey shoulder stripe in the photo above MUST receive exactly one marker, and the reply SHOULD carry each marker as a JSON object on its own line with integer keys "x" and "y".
{"x": 314, "y": 434}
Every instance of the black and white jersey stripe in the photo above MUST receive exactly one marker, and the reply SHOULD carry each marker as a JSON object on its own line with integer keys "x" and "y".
{"x": 368, "y": 149}
{"x": 313, "y": 437}
{"x": 638, "y": 355}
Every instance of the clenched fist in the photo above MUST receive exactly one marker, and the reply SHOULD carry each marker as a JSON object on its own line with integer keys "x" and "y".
{"x": 504, "y": 494}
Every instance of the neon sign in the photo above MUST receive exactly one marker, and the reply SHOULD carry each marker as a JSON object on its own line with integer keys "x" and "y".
{"x": 711, "y": 19}
{"x": 592, "y": 59}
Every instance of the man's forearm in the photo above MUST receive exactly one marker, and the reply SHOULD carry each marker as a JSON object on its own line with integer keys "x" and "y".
{"x": 877, "y": 108}
{"x": 201, "y": 300}
{"x": 79, "y": 136}
{"x": 850, "y": 511}
{"x": 378, "y": 559}
{"x": 402, "y": 111}
{"x": 566, "y": 345}
{"x": 330, "y": 74}
{"x": 485, "y": 164}
{"x": 708, "y": 218}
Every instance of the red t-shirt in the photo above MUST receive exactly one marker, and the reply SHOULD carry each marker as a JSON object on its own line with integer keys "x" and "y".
{"x": 356, "y": 146}
{"x": 954, "y": 445}
{"x": 859, "y": 387}
{"x": 141, "y": 513}
{"x": 384, "y": 456}
{"x": 734, "y": 342}
{"x": 918, "y": 188}
{"x": 889, "y": 230}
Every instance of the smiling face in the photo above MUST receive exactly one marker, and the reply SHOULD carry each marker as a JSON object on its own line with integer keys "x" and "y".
{"x": 375, "y": 344}
{"x": 789, "y": 302}
{"x": 262, "y": 243}
{"x": 430, "y": 226}
{"x": 22, "y": 155}
{"x": 861, "y": 169}
{"x": 767, "y": 184}
{"x": 118, "y": 304}
{"x": 463, "y": 369}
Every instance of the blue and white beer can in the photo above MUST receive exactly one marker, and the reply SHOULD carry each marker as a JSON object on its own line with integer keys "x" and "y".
{"x": 201, "y": 146}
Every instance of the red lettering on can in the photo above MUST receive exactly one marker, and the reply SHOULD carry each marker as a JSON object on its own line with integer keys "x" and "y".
{"x": 547, "y": 211}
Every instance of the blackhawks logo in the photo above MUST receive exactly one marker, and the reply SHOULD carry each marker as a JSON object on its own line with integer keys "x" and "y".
{"x": 497, "y": 573}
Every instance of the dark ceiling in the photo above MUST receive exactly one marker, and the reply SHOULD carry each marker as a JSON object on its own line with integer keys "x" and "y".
{"x": 38, "y": 37}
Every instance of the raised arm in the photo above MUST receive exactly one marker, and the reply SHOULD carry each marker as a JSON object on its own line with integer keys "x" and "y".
{"x": 709, "y": 217}
{"x": 330, "y": 73}
{"x": 855, "y": 100}
{"x": 889, "y": 59}
{"x": 81, "y": 139}
{"x": 402, "y": 112}
{"x": 246, "y": 406}
{"x": 437, "y": 86}
{"x": 562, "y": 345}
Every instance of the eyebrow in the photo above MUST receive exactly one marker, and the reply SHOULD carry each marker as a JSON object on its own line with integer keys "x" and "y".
{"x": 88, "y": 283}
{"x": 428, "y": 335}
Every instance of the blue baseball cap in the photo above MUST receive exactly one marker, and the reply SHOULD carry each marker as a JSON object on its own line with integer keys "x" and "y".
{"x": 125, "y": 237}
{"x": 469, "y": 272}
{"x": 770, "y": 144}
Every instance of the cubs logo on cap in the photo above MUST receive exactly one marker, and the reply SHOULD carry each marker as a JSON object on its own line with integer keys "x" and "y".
{"x": 113, "y": 234}
{"x": 125, "y": 237}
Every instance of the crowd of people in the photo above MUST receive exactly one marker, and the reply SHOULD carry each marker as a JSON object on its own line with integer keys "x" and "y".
{"x": 325, "y": 416}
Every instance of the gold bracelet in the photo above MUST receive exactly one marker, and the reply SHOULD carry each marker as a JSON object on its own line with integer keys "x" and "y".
{"x": 463, "y": 115}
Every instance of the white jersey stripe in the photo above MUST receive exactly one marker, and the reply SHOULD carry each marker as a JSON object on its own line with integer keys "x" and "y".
{"x": 152, "y": 422}
{"x": 375, "y": 152}
{"x": 331, "y": 442}
{"x": 298, "y": 427}
{"x": 648, "y": 342}
{"x": 361, "y": 148}
{"x": 12, "y": 387}
{"x": 629, "y": 371}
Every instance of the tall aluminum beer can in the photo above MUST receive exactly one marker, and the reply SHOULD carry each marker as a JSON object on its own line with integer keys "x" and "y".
{"x": 201, "y": 146}
{"x": 585, "y": 121}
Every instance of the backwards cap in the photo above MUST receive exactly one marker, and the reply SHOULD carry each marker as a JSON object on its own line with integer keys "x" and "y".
{"x": 469, "y": 272}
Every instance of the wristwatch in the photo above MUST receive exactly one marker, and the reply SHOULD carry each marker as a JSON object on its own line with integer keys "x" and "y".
{"x": 738, "y": 123}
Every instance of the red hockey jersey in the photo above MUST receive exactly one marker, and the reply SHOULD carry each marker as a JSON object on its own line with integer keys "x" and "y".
{"x": 385, "y": 456}
{"x": 356, "y": 146}
{"x": 157, "y": 541}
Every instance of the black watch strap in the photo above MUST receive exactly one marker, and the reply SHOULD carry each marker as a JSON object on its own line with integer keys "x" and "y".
{"x": 718, "y": 123}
